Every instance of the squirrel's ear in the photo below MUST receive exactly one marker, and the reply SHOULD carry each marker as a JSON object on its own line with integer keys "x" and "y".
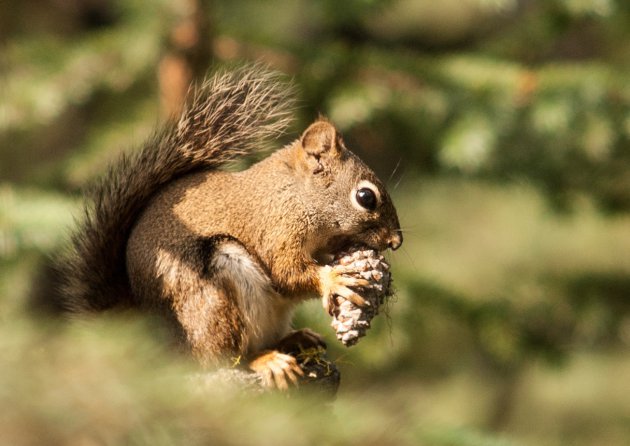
{"x": 321, "y": 140}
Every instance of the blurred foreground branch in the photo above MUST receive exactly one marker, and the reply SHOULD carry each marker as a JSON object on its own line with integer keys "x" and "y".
{"x": 321, "y": 377}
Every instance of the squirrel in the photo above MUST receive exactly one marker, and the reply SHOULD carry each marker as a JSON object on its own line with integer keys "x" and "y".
{"x": 225, "y": 256}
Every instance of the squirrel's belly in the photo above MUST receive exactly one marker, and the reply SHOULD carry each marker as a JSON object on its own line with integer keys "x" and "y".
{"x": 266, "y": 315}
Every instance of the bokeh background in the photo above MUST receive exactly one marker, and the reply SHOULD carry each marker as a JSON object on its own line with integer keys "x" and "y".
{"x": 502, "y": 128}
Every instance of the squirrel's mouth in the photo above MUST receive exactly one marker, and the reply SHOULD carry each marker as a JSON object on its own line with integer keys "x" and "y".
{"x": 340, "y": 244}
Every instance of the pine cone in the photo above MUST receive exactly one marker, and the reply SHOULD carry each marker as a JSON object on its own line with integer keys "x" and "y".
{"x": 350, "y": 321}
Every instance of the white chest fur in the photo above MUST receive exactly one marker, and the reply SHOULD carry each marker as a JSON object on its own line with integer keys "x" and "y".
{"x": 265, "y": 314}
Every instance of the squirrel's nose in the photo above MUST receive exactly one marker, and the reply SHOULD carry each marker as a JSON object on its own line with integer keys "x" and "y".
{"x": 395, "y": 240}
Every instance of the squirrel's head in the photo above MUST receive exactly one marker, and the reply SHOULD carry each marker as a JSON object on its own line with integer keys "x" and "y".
{"x": 350, "y": 205}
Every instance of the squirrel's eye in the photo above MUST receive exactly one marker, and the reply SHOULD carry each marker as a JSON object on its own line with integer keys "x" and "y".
{"x": 366, "y": 198}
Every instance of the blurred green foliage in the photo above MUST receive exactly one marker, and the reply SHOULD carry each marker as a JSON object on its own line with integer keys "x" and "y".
{"x": 503, "y": 127}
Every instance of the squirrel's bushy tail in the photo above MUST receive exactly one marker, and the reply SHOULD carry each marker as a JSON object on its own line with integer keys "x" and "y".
{"x": 230, "y": 115}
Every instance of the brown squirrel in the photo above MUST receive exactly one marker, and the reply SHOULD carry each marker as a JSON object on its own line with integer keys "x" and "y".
{"x": 226, "y": 256}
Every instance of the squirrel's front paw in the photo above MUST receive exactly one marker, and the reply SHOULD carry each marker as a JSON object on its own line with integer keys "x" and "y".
{"x": 275, "y": 367}
{"x": 335, "y": 280}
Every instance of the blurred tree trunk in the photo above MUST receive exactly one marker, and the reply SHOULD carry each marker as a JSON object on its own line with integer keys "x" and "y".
{"x": 188, "y": 55}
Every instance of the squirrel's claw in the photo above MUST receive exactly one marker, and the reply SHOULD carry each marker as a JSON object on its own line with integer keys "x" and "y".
{"x": 351, "y": 281}
{"x": 275, "y": 367}
{"x": 333, "y": 282}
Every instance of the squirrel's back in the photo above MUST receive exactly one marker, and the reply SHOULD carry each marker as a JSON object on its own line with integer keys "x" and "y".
{"x": 231, "y": 115}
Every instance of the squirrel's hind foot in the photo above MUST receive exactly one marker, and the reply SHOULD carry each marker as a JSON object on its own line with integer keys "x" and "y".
{"x": 277, "y": 369}
{"x": 300, "y": 340}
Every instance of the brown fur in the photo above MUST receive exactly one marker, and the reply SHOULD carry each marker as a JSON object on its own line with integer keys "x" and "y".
{"x": 229, "y": 116}
{"x": 227, "y": 256}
